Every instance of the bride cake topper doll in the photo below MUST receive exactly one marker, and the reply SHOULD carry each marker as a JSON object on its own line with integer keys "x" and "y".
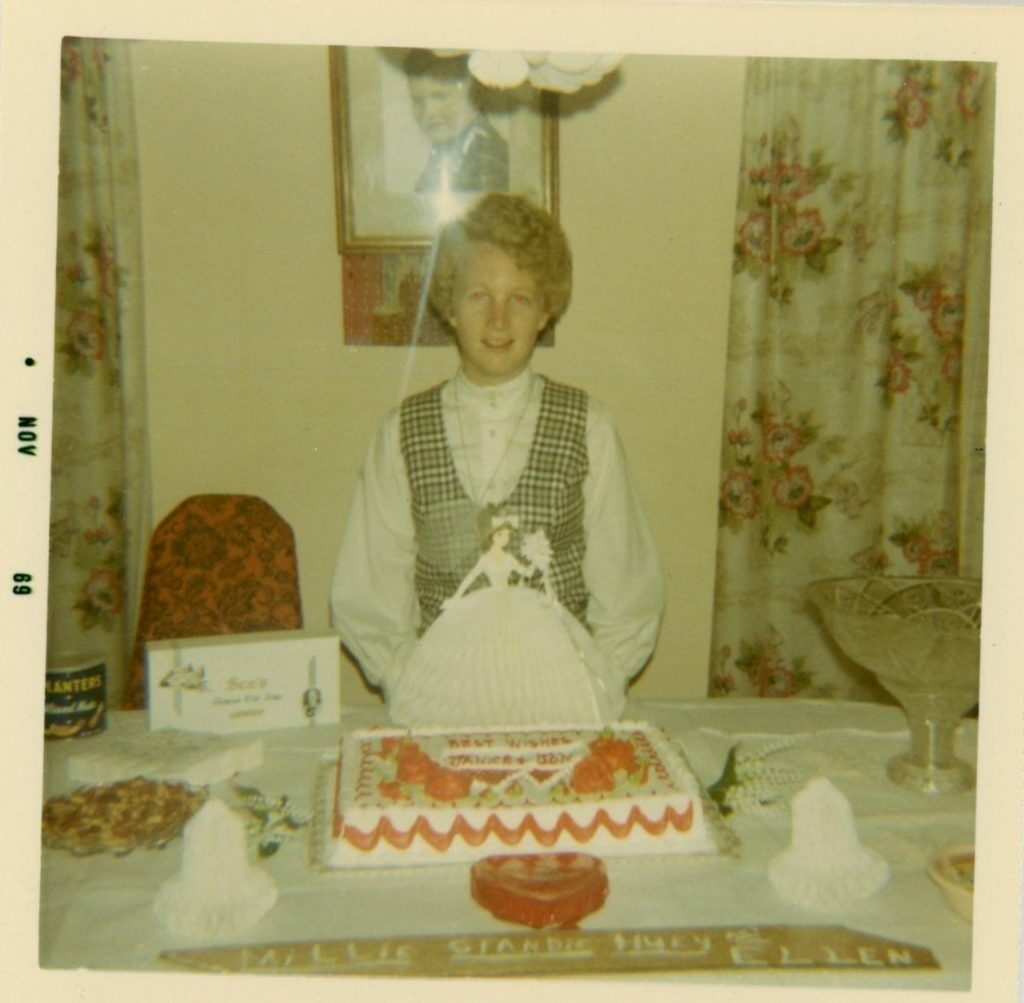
{"x": 497, "y": 562}
{"x": 503, "y": 649}
{"x": 496, "y": 567}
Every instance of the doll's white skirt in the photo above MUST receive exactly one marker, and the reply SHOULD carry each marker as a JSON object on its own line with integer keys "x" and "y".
{"x": 503, "y": 656}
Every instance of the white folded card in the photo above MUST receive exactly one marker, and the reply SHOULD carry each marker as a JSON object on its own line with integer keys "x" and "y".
{"x": 244, "y": 682}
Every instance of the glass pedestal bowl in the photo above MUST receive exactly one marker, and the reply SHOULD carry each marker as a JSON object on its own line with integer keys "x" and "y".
{"x": 921, "y": 639}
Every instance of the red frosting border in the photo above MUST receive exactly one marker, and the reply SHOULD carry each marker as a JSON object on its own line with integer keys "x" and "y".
{"x": 385, "y": 831}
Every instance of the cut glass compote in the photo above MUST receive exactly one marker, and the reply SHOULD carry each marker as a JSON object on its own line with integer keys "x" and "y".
{"x": 921, "y": 639}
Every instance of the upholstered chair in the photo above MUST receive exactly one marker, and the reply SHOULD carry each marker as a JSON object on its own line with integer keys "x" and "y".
{"x": 217, "y": 564}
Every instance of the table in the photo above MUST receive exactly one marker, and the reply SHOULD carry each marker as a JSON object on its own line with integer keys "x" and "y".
{"x": 96, "y": 912}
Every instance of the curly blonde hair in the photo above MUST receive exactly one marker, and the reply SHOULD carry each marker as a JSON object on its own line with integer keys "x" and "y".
{"x": 529, "y": 235}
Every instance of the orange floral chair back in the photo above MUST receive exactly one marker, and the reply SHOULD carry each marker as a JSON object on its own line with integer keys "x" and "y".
{"x": 217, "y": 564}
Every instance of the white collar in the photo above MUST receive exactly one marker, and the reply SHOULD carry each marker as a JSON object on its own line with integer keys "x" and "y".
{"x": 507, "y": 394}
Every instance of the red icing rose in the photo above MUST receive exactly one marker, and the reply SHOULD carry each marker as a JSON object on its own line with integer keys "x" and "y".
{"x": 591, "y": 775}
{"x": 414, "y": 765}
{"x": 447, "y": 785}
{"x": 389, "y": 746}
{"x": 616, "y": 752}
{"x": 391, "y": 789}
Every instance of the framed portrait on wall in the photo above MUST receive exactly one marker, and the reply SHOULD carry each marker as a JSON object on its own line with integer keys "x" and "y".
{"x": 416, "y": 139}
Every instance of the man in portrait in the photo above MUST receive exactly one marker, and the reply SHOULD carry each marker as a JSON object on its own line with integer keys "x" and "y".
{"x": 467, "y": 152}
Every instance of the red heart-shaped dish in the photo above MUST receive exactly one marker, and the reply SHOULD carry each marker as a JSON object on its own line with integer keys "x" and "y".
{"x": 540, "y": 889}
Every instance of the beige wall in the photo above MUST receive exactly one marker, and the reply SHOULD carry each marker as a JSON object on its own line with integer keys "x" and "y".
{"x": 251, "y": 388}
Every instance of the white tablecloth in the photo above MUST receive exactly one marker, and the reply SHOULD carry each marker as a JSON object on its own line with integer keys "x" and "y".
{"x": 96, "y": 911}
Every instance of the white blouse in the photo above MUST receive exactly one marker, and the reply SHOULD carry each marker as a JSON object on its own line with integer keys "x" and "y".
{"x": 489, "y": 431}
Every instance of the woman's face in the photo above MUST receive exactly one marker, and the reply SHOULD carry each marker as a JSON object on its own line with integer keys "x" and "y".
{"x": 501, "y": 537}
{"x": 497, "y": 312}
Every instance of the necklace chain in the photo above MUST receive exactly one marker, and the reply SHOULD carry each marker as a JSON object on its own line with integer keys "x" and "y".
{"x": 475, "y": 497}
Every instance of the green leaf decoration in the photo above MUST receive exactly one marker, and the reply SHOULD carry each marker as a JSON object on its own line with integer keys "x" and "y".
{"x": 268, "y": 847}
{"x": 718, "y": 790}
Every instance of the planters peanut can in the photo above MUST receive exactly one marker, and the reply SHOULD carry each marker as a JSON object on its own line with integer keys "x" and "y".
{"x": 76, "y": 697}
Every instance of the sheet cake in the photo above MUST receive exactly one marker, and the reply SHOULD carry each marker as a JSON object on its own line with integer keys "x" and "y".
{"x": 431, "y": 796}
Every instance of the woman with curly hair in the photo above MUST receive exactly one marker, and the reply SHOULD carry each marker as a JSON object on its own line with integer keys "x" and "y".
{"x": 538, "y": 466}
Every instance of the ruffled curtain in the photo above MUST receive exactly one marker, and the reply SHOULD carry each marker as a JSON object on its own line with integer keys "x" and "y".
{"x": 853, "y": 434}
{"x": 99, "y": 507}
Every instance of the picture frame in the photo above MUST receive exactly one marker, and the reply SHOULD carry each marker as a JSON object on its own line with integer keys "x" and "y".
{"x": 389, "y": 196}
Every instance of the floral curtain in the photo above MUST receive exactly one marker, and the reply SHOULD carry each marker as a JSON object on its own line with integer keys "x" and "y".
{"x": 853, "y": 436}
{"x": 99, "y": 509}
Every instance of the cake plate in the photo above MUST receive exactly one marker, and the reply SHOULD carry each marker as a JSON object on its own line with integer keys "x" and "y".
{"x": 921, "y": 639}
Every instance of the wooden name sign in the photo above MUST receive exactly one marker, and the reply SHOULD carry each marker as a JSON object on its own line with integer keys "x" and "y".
{"x": 244, "y": 682}
{"x": 572, "y": 952}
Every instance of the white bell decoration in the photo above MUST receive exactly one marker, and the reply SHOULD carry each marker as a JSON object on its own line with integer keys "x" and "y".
{"x": 567, "y": 72}
{"x": 564, "y": 72}
{"x": 499, "y": 69}
{"x": 825, "y": 867}
{"x": 217, "y": 891}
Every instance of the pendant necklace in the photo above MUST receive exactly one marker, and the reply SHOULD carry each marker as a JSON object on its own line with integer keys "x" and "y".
{"x": 475, "y": 497}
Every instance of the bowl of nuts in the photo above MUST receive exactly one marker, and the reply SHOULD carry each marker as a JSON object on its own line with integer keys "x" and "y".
{"x": 952, "y": 869}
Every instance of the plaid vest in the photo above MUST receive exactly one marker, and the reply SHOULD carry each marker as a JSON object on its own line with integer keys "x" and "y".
{"x": 547, "y": 496}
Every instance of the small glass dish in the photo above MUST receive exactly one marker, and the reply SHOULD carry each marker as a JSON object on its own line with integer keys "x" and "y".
{"x": 952, "y": 869}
